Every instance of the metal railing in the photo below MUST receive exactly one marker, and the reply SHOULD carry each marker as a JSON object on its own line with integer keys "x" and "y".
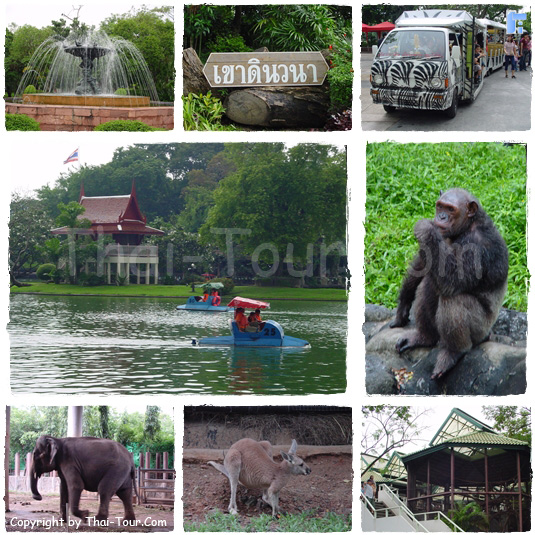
{"x": 115, "y": 249}
{"x": 443, "y": 518}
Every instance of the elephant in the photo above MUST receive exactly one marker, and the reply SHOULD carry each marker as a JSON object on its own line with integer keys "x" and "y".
{"x": 94, "y": 464}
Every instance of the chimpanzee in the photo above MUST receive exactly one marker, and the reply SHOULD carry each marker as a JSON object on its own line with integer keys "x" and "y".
{"x": 457, "y": 280}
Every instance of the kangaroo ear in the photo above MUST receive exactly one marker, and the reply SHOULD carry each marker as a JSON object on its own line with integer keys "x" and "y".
{"x": 293, "y": 447}
{"x": 286, "y": 456}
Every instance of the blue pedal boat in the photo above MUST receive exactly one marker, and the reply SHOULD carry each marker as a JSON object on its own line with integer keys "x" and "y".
{"x": 204, "y": 306}
{"x": 272, "y": 335}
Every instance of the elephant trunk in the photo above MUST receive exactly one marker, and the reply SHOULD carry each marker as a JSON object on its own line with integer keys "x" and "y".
{"x": 33, "y": 484}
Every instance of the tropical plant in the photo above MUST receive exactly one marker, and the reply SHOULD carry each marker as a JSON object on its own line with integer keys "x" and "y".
{"x": 203, "y": 112}
{"x": 470, "y": 517}
{"x": 295, "y": 27}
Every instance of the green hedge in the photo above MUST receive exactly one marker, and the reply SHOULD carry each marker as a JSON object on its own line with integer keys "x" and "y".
{"x": 16, "y": 121}
{"x": 125, "y": 125}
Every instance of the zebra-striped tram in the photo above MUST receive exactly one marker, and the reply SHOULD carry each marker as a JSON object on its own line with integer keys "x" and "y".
{"x": 428, "y": 61}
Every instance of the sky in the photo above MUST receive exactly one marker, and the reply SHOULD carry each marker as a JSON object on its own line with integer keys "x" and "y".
{"x": 43, "y": 164}
{"x": 42, "y": 14}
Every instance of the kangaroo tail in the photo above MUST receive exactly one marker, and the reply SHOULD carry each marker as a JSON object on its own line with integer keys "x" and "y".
{"x": 219, "y": 467}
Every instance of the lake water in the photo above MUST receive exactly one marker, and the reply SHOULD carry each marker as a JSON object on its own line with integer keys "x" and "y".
{"x": 105, "y": 345}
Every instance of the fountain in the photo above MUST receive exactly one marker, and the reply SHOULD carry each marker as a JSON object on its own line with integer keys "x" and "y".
{"x": 110, "y": 67}
{"x": 93, "y": 70}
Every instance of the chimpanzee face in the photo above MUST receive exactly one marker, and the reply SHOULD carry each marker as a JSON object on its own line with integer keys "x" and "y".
{"x": 453, "y": 213}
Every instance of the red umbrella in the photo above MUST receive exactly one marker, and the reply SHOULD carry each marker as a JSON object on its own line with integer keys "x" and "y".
{"x": 207, "y": 275}
{"x": 247, "y": 303}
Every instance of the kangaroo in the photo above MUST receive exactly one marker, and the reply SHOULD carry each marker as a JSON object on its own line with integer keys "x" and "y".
{"x": 251, "y": 463}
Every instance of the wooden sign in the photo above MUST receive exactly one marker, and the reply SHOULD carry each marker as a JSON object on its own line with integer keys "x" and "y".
{"x": 250, "y": 69}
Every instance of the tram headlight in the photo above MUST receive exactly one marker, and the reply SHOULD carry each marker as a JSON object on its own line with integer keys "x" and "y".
{"x": 378, "y": 79}
{"x": 436, "y": 83}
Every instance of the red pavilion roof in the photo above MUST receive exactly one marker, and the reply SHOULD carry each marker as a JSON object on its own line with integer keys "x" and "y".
{"x": 112, "y": 214}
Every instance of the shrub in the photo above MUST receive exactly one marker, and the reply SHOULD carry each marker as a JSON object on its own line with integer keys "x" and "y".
{"x": 203, "y": 112}
{"x": 284, "y": 282}
{"x": 16, "y": 121}
{"x": 121, "y": 91}
{"x": 125, "y": 125}
{"x": 90, "y": 279}
{"x": 30, "y": 89}
{"x": 228, "y": 285}
{"x": 44, "y": 271}
{"x": 169, "y": 280}
{"x": 57, "y": 275}
{"x": 341, "y": 86}
{"x": 226, "y": 43}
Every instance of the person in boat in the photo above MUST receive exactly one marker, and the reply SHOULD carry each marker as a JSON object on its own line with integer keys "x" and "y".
{"x": 216, "y": 299}
{"x": 205, "y": 296}
{"x": 257, "y": 319}
{"x": 240, "y": 319}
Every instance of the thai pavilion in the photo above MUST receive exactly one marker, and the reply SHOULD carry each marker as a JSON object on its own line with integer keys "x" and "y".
{"x": 120, "y": 217}
{"x": 465, "y": 462}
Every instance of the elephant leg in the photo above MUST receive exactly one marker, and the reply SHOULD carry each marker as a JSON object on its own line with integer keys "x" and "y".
{"x": 105, "y": 493}
{"x": 75, "y": 491}
{"x": 63, "y": 499}
{"x": 125, "y": 496}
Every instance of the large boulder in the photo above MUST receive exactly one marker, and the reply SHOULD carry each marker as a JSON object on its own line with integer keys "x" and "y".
{"x": 494, "y": 368}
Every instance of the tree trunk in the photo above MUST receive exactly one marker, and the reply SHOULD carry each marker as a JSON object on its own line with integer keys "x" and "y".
{"x": 194, "y": 79}
{"x": 283, "y": 107}
{"x": 15, "y": 282}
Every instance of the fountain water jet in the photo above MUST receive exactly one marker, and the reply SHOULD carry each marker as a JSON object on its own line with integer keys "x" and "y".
{"x": 112, "y": 72}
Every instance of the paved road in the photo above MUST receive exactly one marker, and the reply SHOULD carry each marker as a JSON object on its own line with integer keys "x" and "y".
{"x": 504, "y": 105}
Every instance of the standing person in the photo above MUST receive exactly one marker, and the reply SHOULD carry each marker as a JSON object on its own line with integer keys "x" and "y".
{"x": 369, "y": 492}
{"x": 510, "y": 50}
{"x": 526, "y": 51}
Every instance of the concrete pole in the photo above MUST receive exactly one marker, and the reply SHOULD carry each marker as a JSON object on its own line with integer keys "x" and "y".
{"x": 17, "y": 464}
{"x": 147, "y": 274}
{"x": 6, "y": 458}
{"x": 28, "y": 464}
{"x": 74, "y": 421}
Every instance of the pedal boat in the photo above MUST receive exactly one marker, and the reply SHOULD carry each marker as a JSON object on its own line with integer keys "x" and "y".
{"x": 272, "y": 335}
{"x": 203, "y": 306}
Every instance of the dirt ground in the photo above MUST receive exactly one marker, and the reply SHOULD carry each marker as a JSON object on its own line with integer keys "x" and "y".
{"x": 328, "y": 488}
{"x": 26, "y": 514}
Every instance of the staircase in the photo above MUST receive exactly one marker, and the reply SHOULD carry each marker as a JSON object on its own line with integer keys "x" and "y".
{"x": 391, "y": 514}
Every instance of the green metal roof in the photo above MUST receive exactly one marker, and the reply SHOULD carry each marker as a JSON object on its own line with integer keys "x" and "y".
{"x": 470, "y": 445}
{"x": 458, "y": 423}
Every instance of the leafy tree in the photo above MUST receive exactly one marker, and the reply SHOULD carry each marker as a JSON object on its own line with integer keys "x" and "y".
{"x": 386, "y": 428}
{"x": 152, "y": 423}
{"x": 152, "y": 32}
{"x": 286, "y": 200}
{"x": 514, "y": 422}
{"x": 29, "y": 226}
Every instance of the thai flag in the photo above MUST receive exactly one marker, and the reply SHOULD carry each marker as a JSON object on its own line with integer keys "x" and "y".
{"x": 72, "y": 158}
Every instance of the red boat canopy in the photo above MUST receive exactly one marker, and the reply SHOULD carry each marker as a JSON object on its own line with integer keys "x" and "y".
{"x": 247, "y": 303}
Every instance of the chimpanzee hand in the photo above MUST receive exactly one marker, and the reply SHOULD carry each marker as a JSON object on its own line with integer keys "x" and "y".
{"x": 423, "y": 229}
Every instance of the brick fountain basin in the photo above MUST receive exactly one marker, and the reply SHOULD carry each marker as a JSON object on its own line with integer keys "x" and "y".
{"x": 74, "y": 113}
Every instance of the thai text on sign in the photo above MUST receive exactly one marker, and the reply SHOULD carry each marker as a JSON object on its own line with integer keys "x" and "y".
{"x": 242, "y": 69}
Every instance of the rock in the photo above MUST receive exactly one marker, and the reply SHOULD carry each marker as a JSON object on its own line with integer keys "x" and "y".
{"x": 494, "y": 368}
{"x": 512, "y": 324}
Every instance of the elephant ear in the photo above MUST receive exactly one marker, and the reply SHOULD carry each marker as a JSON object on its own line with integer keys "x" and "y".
{"x": 52, "y": 446}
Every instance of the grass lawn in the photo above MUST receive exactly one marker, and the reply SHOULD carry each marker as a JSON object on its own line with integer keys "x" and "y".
{"x": 304, "y": 522}
{"x": 143, "y": 290}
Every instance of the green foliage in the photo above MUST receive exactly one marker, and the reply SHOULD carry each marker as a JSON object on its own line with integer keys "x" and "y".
{"x": 29, "y": 89}
{"x": 340, "y": 75}
{"x": 228, "y": 285}
{"x": 19, "y": 121}
{"x": 91, "y": 279}
{"x": 307, "y": 521}
{"x": 403, "y": 183}
{"x": 125, "y": 125}
{"x": 152, "y": 423}
{"x": 68, "y": 216}
{"x": 44, "y": 270}
{"x": 470, "y": 517}
{"x": 289, "y": 28}
{"x": 228, "y": 43}
{"x": 514, "y": 422}
{"x": 152, "y": 32}
{"x": 121, "y": 91}
{"x": 203, "y": 112}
